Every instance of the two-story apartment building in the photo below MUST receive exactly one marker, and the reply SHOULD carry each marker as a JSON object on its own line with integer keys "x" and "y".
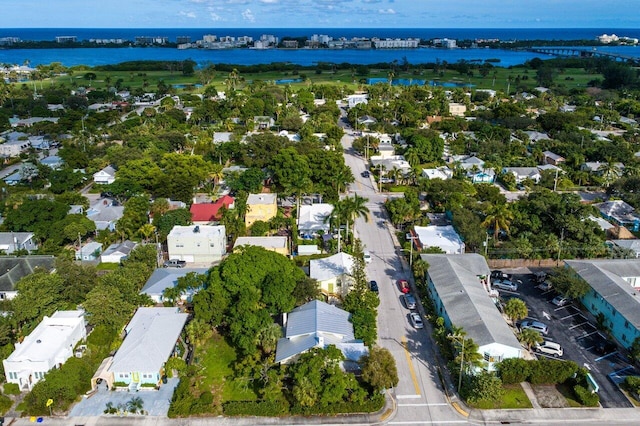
{"x": 197, "y": 243}
{"x": 260, "y": 207}
{"x": 613, "y": 295}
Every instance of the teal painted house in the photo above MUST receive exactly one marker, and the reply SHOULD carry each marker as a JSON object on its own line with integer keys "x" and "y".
{"x": 614, "y": 293}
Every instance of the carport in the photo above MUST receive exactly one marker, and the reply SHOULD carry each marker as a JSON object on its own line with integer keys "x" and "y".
{"x": 103, "y": 373}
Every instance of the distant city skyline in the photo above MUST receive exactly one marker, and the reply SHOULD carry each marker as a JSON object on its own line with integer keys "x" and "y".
{"x": 318, "y": 14}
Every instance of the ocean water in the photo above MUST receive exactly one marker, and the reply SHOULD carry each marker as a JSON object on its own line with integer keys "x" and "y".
{"x": 306, "y": 57}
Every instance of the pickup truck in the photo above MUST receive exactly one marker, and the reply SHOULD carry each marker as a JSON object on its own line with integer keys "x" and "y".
{"x": 174, "y": 263}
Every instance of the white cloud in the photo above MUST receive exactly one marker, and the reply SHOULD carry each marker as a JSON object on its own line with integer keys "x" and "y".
{"x": 269, "y": 1}
{"x": 387, "y": 11}
{"x": 215, "y": 16}
{"x": 190, "y": 15}
{"x": 247, "y": 15}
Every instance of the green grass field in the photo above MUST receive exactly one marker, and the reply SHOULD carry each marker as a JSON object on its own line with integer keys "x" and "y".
{"x": 514, "y": 397}
{"x": 498, "y": 79}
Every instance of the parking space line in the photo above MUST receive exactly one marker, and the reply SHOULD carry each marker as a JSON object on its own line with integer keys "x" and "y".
{"x": 588, "y": 334}
{"x": 578, "y": 325}
{"x": 569, "y": 316}
{"x": 605, "y": 356}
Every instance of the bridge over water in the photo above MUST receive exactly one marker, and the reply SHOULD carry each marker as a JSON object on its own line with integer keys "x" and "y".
{"x": 584, "y": 53}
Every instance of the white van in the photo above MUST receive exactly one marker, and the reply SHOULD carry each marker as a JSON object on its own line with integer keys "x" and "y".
{"x": 549, "y": 348}
{"x": 367, "y": 257}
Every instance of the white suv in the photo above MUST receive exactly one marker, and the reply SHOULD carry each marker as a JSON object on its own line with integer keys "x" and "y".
{"x": 549, "y": 348}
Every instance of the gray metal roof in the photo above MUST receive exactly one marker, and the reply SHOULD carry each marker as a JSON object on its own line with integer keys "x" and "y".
{"x": 457, "y": 281}
{"x": 606, "y": 277}
{"x": 331, "y": 267}
{"x": 152, "y": 334}
{"x": 316, "y": 324}
{"x": 163, "y": 278}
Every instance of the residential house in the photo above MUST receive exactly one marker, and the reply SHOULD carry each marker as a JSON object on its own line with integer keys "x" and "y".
{"x": 28, "y": 122}
{"x": 206, "y": 213}
{"x": 353, "y": 100}
{"x": 105, "y": 176}
{"x": 164, "y": 278}
{"x": 262, "y": 207}
{"x": 222, "y": 137}
{"x": 116, "y": 252}
{"x": 263, "y": 122}
{"x": 333, "y": 273}
{"x": 390, "y": 163}
{"x": 53, "y": 162}
{"x": 48, "y": 346}
{"x": 443, "y": 173}
{"x": 13, "y": 147}
{"x": 537, "y": 136}
{"x": 620, "y": 213}
{"x": 11, "y": 242}
{"x": 150, "y": 339}
{"x": 197, "y": 243}
{"x": 278, "y": 244}
{"x": 105, "y": 213}
{"x": 474, "y": 168}
{"x": 459, "y": 287}
{"x": 552, "y": 158}
{"x": 318, "y": 324}
{"x": 597, "y": 167}
{"x": 313, "y": 219}
{"x": 366, "y": 120}
{"x": 613, "y": 295}
{"x": 633, "y": 245}
{"x": 15, "y": 268}
{"x": 457, "y": 109}
{"x": 523, "y": 173}
{"x": 444, "y": 237}
{"x": 386, "y": 150}
{"x": 89, "y": 252}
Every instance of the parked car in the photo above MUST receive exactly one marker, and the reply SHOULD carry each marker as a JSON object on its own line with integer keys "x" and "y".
{"x": 505, "y": 285}
{"x": 539, "y": 276}
{"x": 499, "y": 275}
{"x": 545, "y": 286}
{"x": 367, "y": 257}
{"x": 534, "y": 325}
{"x": 560, "y": 301}
{"x": 549, "y": 348}
{"x": 416, "y": 320}
{"x": 366, "y": 174}
{"x": 373, "y": 286}
{"x": 409, "y": 301}
{"x": 605, "y": 347}
{"x": 403, "y": 286}
{"x": 174, "y": 263}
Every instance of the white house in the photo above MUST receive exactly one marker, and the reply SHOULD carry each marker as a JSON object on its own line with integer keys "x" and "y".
{"x": 105, "y": 176}
{"x": 459, "y": 288}
{"x": 317, "y": 325}
{"x": 333, "y": 273}
{"x": 151, "y": 338}
{"x": 115, "y": 252}
{"x": 14, "y": 147}
{"x": 105, "y": 213}
{"x": 90, "y": 251}
{"x": 163, "y": 278}
{"x": 443, "y": 173}
{"x": 444, "y": 237}
{"x": 48, "y": 346}
{"x": 14, "y": 241}
{"x": 523, "y": 173}
{"x": 353, "y": 100}
{"x": 313, "y": 219}
{"x": 197, "y": 243}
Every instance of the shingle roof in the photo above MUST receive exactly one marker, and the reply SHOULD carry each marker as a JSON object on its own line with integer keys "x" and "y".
{"x": 18, "y": 267}
{"x": 467, "y": 302}
{"x": 605, "y": 276}
{"x": 151, "y": 336}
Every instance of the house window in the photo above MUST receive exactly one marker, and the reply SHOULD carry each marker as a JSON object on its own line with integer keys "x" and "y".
{"x": 179, "y": 245}
{"x": 624, "y": 337}
{"x": 492, "y": 358}
{"x": 626, "y": 324}
{"x": 13, "y": 375}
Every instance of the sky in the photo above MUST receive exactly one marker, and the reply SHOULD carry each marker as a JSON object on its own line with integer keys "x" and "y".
{"x": 318, "y": 14}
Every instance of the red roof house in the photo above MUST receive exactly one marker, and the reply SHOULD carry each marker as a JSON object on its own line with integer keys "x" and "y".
{"x": 202, "y": 214}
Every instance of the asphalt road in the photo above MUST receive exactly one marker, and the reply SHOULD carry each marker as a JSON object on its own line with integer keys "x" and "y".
{"x": 419, "y": 395}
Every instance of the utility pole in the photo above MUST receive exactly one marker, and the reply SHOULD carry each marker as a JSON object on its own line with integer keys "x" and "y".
{"x": 560, "y": 245}
{"x": 80, "y": 246}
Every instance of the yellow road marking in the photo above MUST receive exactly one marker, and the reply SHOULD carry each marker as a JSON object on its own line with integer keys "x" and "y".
{"x": 411, "y": 370}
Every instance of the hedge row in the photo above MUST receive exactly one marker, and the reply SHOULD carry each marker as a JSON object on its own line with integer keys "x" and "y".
{"x": 536, "y": 372}
{"x": 256, "y": 408}
{"x": 373, "y": 404}
{"x": 586, "y": 397}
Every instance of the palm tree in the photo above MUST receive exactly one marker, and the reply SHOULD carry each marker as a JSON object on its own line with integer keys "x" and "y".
{"x": 499, "y": 218}
{"x": 147, "y": 230}
{"x": 516, "y": 309}
{"x": 530, "y": 337}
{"x": 355, "y": 207}
{"x": 610, "y": 171}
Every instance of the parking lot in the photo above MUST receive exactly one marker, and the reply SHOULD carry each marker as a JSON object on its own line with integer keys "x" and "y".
{"x": 576, "y": 332}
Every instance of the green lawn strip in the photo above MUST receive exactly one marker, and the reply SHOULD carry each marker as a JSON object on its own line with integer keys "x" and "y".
{"x": 217, "y": 372}
{"x": 514, "y": 397}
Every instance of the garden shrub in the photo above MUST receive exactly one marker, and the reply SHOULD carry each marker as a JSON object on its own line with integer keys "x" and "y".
{"x": 11, "y": 389}
{"x": 586, "y": 397}
{"x": 5, "y": 404}
{"x": 551, "y": 371}
{"x": 371, "y": 405}
{"x": 514, "y": 370}
{"x": 256, "y": 408}
{"x": 631, "y": 383}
